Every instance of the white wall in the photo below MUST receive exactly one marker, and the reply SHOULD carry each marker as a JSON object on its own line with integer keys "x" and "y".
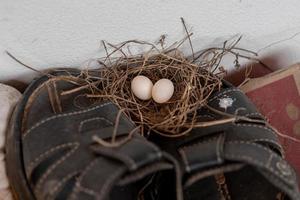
{"x": 56, "y": 33}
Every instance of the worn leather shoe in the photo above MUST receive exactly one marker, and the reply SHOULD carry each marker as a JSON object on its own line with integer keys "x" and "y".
{"x": 67, "y": 147}
{"x": 230, "y": 159}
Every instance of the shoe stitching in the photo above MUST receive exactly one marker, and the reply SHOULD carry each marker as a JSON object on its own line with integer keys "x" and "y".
{"x": 184, "y": 148}
{"x": 37, "y": 160}
{"x": 75, "y": 102}
{"x": 88, "y": 191}
{"x": 256, "y": 145}
{"x": 78, "y": 185}
{"x": 60, "y": 183}
{"x": 82, "y": 189}
{"x": 258, "y": 126}
{"x": 107, "y": 184}
{"x": 275, "y": 179}
{"x": 93, "y": 119}
{"x": 274, "y": 142}
{"x": 191, "y": 146}
{"x": 220, "y": 142}
{"x": 185, "y": 160}
{"x": 128, "y": 160}
{"x": 269, "y": 161}
{"x": 53, "y": 167}
{"x": 257, "y": 162}
{"x": 63, "y": 115}
{"x": 249, "y": 159}
{"x": 104, "y": 187}
{"x": 254, "y": 114}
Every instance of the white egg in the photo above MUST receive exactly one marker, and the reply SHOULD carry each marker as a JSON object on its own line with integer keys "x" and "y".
{"x": 141, "y": 86}
{"x": 162, "y": 91}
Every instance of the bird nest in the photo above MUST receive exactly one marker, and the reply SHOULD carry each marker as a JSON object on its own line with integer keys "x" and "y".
{"x": 195, "y": 78}
{"x": 192, "y": 86}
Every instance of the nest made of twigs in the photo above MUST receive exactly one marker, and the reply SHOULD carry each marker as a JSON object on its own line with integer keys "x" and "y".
{"x": 195, "y": 78}
{"x": 193, "y": 85}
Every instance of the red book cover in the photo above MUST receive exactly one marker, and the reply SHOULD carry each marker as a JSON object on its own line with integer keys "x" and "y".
{"x": 277, "y": 96}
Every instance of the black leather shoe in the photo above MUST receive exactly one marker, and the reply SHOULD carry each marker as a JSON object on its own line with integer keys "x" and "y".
{"x": 60, "y": 147}
{"x": 238, "y": 159}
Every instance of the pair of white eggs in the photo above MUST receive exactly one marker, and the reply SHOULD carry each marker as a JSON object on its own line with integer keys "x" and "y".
{"x": 143, "y": 88}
